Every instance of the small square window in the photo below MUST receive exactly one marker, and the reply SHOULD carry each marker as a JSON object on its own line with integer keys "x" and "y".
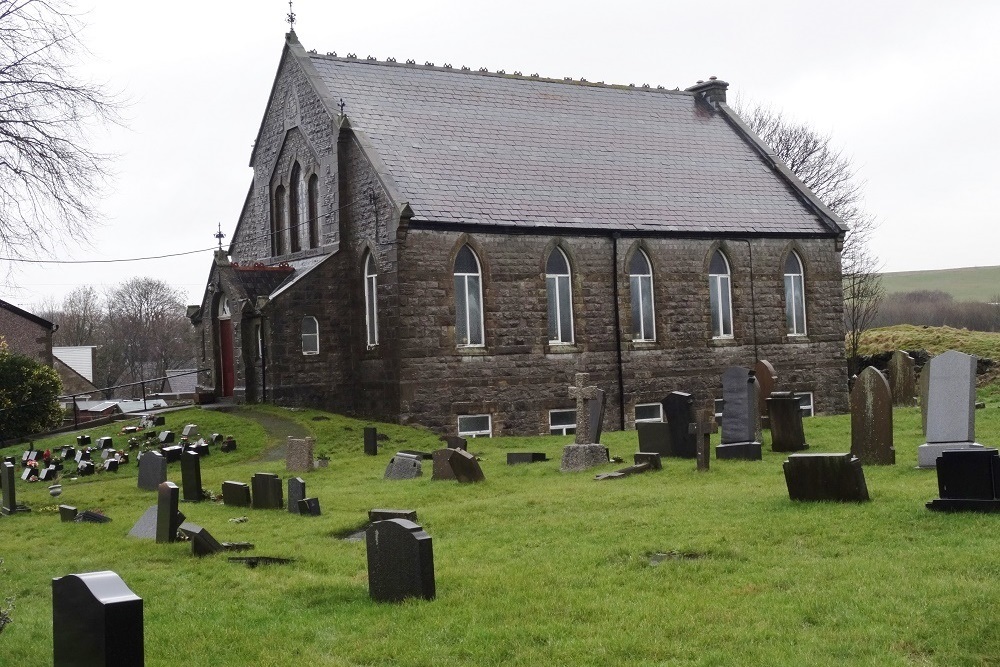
{"x": 474, "y": 426}
{"x": 805, "y": 402}
{"x": 562, "y": 422}
{"x": 648, "y": 412}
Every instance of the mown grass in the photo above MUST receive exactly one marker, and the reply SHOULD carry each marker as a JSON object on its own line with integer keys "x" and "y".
{"x": 974, "y": 283}
{"x": 535, "y": 567}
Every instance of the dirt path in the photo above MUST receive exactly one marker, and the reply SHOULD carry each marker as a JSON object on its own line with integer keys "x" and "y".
{"x": 278, "y": 429}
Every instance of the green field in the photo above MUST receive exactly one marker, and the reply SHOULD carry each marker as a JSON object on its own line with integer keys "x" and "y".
{"x": 977, "y": 283}
{"x": 533, "y": 566}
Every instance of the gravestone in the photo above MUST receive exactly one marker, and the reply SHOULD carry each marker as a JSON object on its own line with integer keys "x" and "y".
{"x": 96, "y": 620}
{"x": 67, "y": 513}
{"x": 652, "y": 458}
{"x": 235, "y": 494}
{"x": 465, "y": 467}
{"x": 740, "y": 416}
{"x": 515, "y": 458}
{"x": 386, "y": 514}
{"x": 47, "y": 474}
{"x": 403, "y": 466}
{"x": 85, "y": 468}
{"x": 787, "y": 434}
{"x": 951, "y": 406}
{"x": 902, "y": 380}
{"x": 191, "y": 477}
{"x": 111, "y": 465}
{"x": 266, "y": 489}
{"x": 29, "y": 474}
{"x": 424, "y": 456}
{"x": 371, "y": 441}
{"x": 924, "y": 382}
{"x": 204, "y": 544}
{"x": 968, "y": 481}
{"x": 145, "y": 527}
{"x": 825, "y": 477}
{"x": 166, "y": 437}
{"x": 400, "y": 561}
{"x": 69, "y": 453}
{"x": 642, "y": 462}
{"x": 586, "y": 452}
{"x": 105, "y": 443}
{"x": 172, "y": 453}
{"x": 90, "y": 516}
{"x": 168, "y": 518}
{"x": 9, "y": 495}
{"x": 654, "y": 437}
{"x": 189, "y": 431}
{"x": 703, "y": 430}
{"x": 152, "y": 471}
{"x": 299, "y": 454}
{"x": 216, "y": 439}
{"x": 455, "y": 442}
{"x": 228, "y": 445}
{"x": 296, "y": 492}
{"x": 442, "y": 466}
{"x": 871, "y": 419}
{"x": 678, "y": 410}
{"x": 309, "y": 507}
{"x": 767, "y": 382}
{"x": 82, "y": 440}
{"x": 83, "y": 454}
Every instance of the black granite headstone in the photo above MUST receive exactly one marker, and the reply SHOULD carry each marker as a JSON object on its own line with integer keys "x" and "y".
{"x": 168, "y": 518}
{"x": 740, "y": 416}
{"x": 67, "y": 513}
{"x": 678, "y": 410}
{"x": 172, "y": 453}
{"x": 296, "y": 492}
{"x": 235, "y": 494}
{"x": 455, "y": 442}
{"x": 837, "y": 477}
{"x": 652, "y": 458}
{"x": 386, "y": 514}
{"x": 228, "y": 445}
{"x": 267, "y": 493}
{"x": 968, "y": 481}
{"x": 96, "y": 621}
{"x": 85, "y": 468}
{"x": 9, "y": 495}
{"x": 29, "y": 474}
{"x": 204, "y": 544}
{"x": 400, "y": 561}
{"x": 82, "y": 440}
{"x": 371, "y": 441}
{"x": 595, "y": 415}
{"x": 785, "y": 416}
{"x": 191, "y": 477}
{"x": 309, "y": 507}
{"x": 90, "y": 516}
{"x": 166, "y": 437}
{"x": 105, "y": 443}
{"x": 654, "y": 437}
{"x": 111, "y": 465}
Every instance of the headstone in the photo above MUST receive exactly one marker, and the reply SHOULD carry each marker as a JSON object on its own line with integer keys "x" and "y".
{"x": 767, "y": 382}
{"x": 69, "y": 453}
{"x": 902, "y": 380}
{"x": 643, "y": 462}
{"x": 236, "y": 494}
{"x": 455, "y": 442}
{"x": 168, "y": 518}
{"x": 400, "y": 561}
{"x": 403, "y": 466}
{"x": 309, "y": 507}
{"x": 296, "y": 492}
{"x": 29, "y": 474}
{"x": 465, "y": 467}
{"x": 968, "y": 481}
{"x": 385, "y": 514}
{"x": 204, "y": 544}
{"x": 67, "y": 513}
{"x": 9, "y": 496}
{"x": 166, "y": 437}
{"x": 47, "y": 474}
{"x": 951, "y": 406}
{"x": 424, "y": 456}
{"x": 740, "y": 416}
{"x": 96, "y": 620}
{"x": 787, "y": 434}
{"x": 83, "y": 454}
{"x": 200, "y": 448}
{"x": 105, "y": 443}
{"x": 871, "y": 419}
{"x": 924, "y": 382}
{"x": 654, "y": 437}
{"x": 82, "y": 440}
{"x": 85, "y": 468}
{"x": 172, "y": 453}
{"x": 652, "y": 458}
{"x": 191, "y": 477}
{"x": 825, "y": 477}
{"x": 228, "y": 445}
{"x": 145, "y": 527}
{"x": 371, "y": 441}
{"x": 514, "y": 458}
{"x": 217, "y": 438}
{"x": 111, "y": 465}
{"x": 703, "y": 430}
{"x": 190, "y": 431}
{"x": 442, "y": 466}
{"x": 586, "y": 452}
{"x": 299, "y": 454}
{"x": 266, "y": 489}
{"x": 152, "y": 471}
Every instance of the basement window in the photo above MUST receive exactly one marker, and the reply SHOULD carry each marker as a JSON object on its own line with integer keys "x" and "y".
{"x": 475, "y": 426}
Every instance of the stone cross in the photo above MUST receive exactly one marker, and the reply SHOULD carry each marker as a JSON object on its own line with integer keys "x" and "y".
{"x": 582, "y": 394}
{"x": 703, "y": 430}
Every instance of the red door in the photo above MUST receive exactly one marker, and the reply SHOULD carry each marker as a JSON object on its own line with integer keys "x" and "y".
{"x": 226, "y": 349}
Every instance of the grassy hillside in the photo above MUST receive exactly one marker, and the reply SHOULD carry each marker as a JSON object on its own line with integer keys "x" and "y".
{"x": 933, "y": 339}
{"x": 533, "y": 566}
{"x": 977, "y": 283}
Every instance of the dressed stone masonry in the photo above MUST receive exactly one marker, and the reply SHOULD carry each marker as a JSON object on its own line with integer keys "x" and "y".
{"x": 951, "y": 406}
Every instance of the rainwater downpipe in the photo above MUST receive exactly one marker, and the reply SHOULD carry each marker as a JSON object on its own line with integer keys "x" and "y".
{"x": 618, "y": 329}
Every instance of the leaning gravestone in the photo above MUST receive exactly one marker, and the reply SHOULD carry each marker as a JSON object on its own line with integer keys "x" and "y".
{"x": 403, "y": 466}
{"x": 309, "y": 507}
{"x": 152, "y": 471}
{"x": 901, "y": 378}
{"x": 767, "y": 382}
{"x": 442, "y": 466}
{"x": 465, "y": 467}
{"x": 299, "y": 456}
{"x": 951, "y": 406}
{"x": 204, "y": 544}
{"x": 235, "y": 494}
{"x": 586, "y": 452}
{"x": 296, "y": 492}
{"x": 787, "y": 434}
{"x": 96, "y": 620}
{"x": 740, "y": 416}
{"x": 191, "y": 477}
{"x": 145, "y": 527}
{"x": 166, "y": 437}
{"x": 871, "y": 419}
{"x": 968, "y": 481}
{"x": 400, "y": 561}
{"x": 105, "y": 443}
{"x": 678, "y": 408}
{"x": 168, "y": 518}
{"x": 267, "y": 493}
{"x": 825, "y": 477}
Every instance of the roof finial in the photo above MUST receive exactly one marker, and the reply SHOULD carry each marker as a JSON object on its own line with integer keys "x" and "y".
{"x": 342, "y": 105}
{"x": 291, "y": 17}
{"x": 219, "y": 235}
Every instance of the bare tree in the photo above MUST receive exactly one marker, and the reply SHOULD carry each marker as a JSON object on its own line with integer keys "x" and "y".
{"x": 48, "y": 173}
{"x": 81, "y": 317}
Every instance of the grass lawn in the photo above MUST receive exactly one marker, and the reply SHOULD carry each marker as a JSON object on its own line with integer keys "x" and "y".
{"x": 533, "y": 567}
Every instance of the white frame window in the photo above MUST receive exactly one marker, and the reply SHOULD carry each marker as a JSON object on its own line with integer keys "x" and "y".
{"x": 562, "y": 422}
{"x": 475, "y": 426}
{"x": 468, "y": 299}
{"x": 310, "y": 335}
{"x": 805, "y": 402}
{"x": 559, "y": 287}
{"x": 640, "y": 278}
{"x": 371, "y": 300}
{"x": 648, "y": 412}
{"x": 720, "y": 296}
{"x": 795, "y": 300}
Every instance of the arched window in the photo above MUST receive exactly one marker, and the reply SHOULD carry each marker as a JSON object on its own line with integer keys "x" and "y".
{"x": 371, "y": 300}
{"x": 278, "y": 222}
{"x": 468, "y": 299}
{"x": 640, "y": 277}
{"x": 558, "y": 285}
{"x": 310, "y": 335}
{"x": 720, "y": 297}
{"x": 295, "y": 201}
{"x": 314, "y": 211}
{"x": 795, "y": 301}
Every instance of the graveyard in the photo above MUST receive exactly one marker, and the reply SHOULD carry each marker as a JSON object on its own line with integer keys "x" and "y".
{"x": 531, "y": 566}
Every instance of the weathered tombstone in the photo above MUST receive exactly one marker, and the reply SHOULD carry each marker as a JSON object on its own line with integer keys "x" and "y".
{"x": 871, "y": 419}
{"x": 654, "y": 437}
{"x": 403, "y": 466}
{"x": 168, "y": 518}
{"x": 925, "y": 385}
{"x": 385, "y": 514}
{"x": 901, "y": 378}
{"x": 309, "y": 507}
{"x": 152, "y": 471}
{"x": 515, "y": 458}
{"x": 825, "y": 477}
{"x": 9, "y": 496}
{"x": 299, "y": 454}
{"x": 787, "y": 434}
{"x": 189, "y": 431}
{"x": 767, "y": 382}
{"x": 267, "y": 494}
{"x": 442, "y": 466}
{"x": 191, "y": 477}
{"x": 145, "y": 527}
{"x": 586, "y": 452}
{"x": 968, "y": 481}
{"x": 296, "y": 492}
{"x": 371, "y": 441}
{"x": 67, "y": 513}
{"x": 740, "y": 416}
{"x": 465, "y": 467}
{"x": 235, "y": 494}
{"x": 96, "y": 620}
{"x": 951, "y": 406}
{"x": 105, "y": 443}
{"x": 651, "y": 458}
{"x": 172, "y": 453}
{"x": 703, "y": 430}
{"x": 166, "y": 437}
{"x": 203, "y": 544}
{"x": 400, "y": 561}
{"x": 82, "y": 440}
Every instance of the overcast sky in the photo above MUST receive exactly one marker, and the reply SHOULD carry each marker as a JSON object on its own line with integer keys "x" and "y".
{"x": 907, "y": 88}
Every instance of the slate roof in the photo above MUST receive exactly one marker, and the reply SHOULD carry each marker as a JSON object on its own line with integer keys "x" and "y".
{"x": 260, "y": 280}
{"x": 491, "y": 149}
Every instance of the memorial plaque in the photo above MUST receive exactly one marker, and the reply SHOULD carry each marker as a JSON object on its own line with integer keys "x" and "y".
{"x": 96, "y": 620}
{"x": 400, "y": 561}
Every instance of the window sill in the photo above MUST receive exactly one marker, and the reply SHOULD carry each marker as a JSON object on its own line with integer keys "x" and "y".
{"x": 723, "y": 342}
{"x": 797, "y": 339}
{"x": 638, "y": 345}
{"x": 561, "y": 348}
{"x": 471, "y": 350}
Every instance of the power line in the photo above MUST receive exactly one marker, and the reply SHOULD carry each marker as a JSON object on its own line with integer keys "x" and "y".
{"x": 100, "y": 261}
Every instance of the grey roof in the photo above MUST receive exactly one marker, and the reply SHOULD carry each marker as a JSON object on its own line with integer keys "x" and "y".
{"x": 490, "y": 149}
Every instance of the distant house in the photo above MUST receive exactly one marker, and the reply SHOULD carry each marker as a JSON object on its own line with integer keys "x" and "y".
{"x": 75, "y": 365}
{"x": 25, "y": 333}
{"x": 91, "y": 410}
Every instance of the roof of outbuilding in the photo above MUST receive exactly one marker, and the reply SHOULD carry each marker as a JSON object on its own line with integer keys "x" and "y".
{"x": 503, "y": 150}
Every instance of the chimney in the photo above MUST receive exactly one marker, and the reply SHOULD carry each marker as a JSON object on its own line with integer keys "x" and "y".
{"x": 712, "y": 91}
